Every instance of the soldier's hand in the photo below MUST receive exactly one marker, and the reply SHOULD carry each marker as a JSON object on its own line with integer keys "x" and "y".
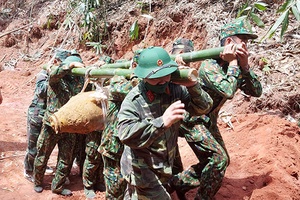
{"x": 242, "y": 55}
{"x": 179, "y": 60}
{"x": 76, "y": 65}
{"x": 186, "y": 83}
{"x": 174, "y": 113}
{"x": 228, "y": 53}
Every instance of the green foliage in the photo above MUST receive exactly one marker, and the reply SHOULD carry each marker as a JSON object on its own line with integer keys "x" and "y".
{"x": 97, "y": 46}
{"x": 290, "y": 6}
{"x": 89, "y": 17}
{"x": 134, "y": 30}
{"x": 266, "y": 68}
{"x": 249, "y": 11}
{"x": 68, "y": 23}
{"x": 143, "y": 6}
{"x": 92, "y": 17}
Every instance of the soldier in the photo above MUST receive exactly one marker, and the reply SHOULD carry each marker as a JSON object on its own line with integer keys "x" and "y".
{"x": 93, "y": 178}
{"x": 221, "y": 79}
{"x": 148, "y": 124}
{"x": 111, "y": 147}
{"x": 35, "y": 115}
{"x": 92, "y": 174}
{"x": 62, "y": 86}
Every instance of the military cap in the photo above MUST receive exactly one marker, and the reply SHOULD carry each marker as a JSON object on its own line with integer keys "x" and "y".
{"x": 62, "y": 54}
{"x": 182, "y": 44}
{"x": 237, "y": 27}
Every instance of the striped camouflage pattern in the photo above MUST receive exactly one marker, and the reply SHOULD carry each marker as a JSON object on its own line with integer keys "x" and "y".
{"x": 35, "y": 115}
{"x": 111, "y": 147}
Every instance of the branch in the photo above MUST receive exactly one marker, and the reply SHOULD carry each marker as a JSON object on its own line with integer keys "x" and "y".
{"x": 14, "y": 30}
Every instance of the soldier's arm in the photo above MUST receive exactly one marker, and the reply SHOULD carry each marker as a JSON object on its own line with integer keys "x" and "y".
{"x": 120, "y": 87}
{"x": 251, "y": 85}
{"x": 58, "y": 72}
{"x": 135, "y": 130}
{"x": 41, "y": 84}
{"x": 225, "y": 84}
{"x": 201, "y": 102}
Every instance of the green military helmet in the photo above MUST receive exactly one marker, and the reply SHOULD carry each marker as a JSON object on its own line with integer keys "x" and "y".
{"x": 136, "y": 55}
{"x": 154, "y": 62}
{"x": 182, "y": 44}
{"x": 237, "y": 27}
{"x": 70, "y": 59}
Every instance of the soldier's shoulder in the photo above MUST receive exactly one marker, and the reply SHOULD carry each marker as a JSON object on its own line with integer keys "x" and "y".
{"x": 133, "y": 94}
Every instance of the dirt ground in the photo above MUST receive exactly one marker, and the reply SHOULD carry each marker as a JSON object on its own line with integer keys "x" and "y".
{"x": 264, "y": 144}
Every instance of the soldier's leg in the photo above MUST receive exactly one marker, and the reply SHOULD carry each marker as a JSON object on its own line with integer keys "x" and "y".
{"x": 45, "y": 145}
{"x": 177, "y": 166}
{"x": 209, "y": 172}
{"x": 92, "y": 163}
{"x": 33, "y": 131}
{"x": 114, "y": 181}
{"x": 100, "y": 183}
{"x": 218, "y": 137}
{"x": 156, "y": 191}
{"x": 79, "y": 152}
{"x": 66, "y": 144}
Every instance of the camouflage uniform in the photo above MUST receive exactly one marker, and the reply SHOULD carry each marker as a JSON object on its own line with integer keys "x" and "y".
{"x": 35, "y": 116}
{"x": 92, "y": 175}
{"x": 150, "y": 148}
{"x": 111, "y": 148}
{"x": 211, "y": 163}
{"x": 220, "y": 82}
{"x": 62, "y": 86}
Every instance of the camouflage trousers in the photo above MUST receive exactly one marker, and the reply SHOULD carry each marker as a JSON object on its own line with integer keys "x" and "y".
{"x": 157, "y": 192}
{"x": 208, "y": 173}
{"x": 114, "y": 181}
{"x": 45, "y": 145}
{"x": 177, "y": 166}
{"x": 93, "y": 165}
{"x": 33, "y": 132}
{"x": 79, "y": 154}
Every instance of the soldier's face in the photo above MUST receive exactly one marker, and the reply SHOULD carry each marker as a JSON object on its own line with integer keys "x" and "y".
{"x": 159, "y": 81}
{"x": 239, "y": 39}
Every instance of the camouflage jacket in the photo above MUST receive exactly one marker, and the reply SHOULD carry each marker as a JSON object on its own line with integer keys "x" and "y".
{"x": 221, "y": 83}
{"x": 148, "y": 145}
{"x": 38, "y": 104}
{"x": 62, "y": 86}
{"x": 110, "y": 144}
